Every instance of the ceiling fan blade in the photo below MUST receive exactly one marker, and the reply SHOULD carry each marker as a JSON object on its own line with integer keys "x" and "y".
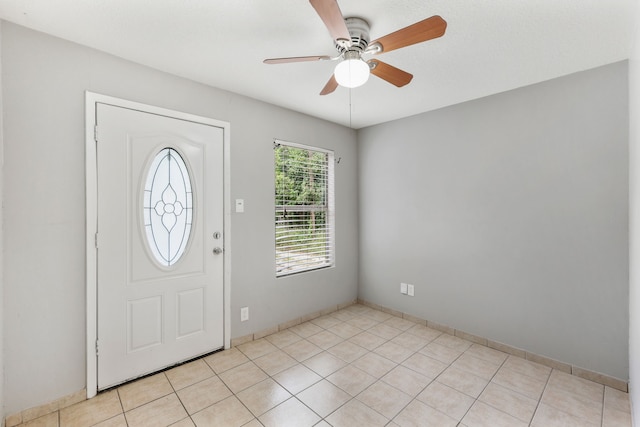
{"x": 296, "y": 59}
{"x": 329, "y": 12}
{"x": 331, "y": 85}
{"x": 387, "y": 72}
{"x": 422, "y": 31}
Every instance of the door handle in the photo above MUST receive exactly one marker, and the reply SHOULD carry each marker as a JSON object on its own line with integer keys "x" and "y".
{"x": 217, "y": 250}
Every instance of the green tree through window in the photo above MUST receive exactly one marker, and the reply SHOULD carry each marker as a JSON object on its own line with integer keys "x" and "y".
{"x": 303, "y": 214}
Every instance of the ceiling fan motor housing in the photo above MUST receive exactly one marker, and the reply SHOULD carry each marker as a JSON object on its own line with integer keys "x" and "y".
{"x": 359, "y": 32}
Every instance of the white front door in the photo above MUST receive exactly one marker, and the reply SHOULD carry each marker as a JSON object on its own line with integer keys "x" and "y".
{"x": 159, "y": 243}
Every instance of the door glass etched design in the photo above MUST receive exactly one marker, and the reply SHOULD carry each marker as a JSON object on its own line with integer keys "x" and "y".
{"x": 168, "y": 207}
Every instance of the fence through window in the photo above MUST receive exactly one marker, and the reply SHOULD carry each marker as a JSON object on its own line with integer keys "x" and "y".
{"x": 304, "y": 208}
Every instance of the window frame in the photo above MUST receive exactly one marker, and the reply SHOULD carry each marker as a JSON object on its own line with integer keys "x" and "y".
{"x": 328, "y": 208}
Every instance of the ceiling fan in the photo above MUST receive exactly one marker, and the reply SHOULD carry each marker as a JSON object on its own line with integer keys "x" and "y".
{"x": 351, "y": 36}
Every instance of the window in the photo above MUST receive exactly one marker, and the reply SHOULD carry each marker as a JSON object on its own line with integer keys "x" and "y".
{"x": 304, "y": 213}
{"x": 167, "y": 206}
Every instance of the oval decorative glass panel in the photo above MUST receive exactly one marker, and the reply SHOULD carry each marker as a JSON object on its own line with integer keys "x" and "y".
{"x": 168, "y": 207}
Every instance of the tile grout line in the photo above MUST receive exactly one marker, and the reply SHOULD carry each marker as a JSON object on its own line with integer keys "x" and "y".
{"x": 324, "y": 378}
{"x": 400, "y": 364}
{"x": 347, "y": 363}
{"x": 485, "y": 387}
{"x": 413, "y": 398}
{"x": 475, "y": 398}
{"x": 221, "y": 380}
{"x": 268, "y": 377}
{"x": 178, "y": 397}
{"x": 124, "y": 415}
{"x": 427, "y": 386}
{"x": 546, "y": 384}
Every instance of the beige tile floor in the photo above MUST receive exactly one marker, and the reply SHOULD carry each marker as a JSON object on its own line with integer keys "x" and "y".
{"x": 354, "y": 367}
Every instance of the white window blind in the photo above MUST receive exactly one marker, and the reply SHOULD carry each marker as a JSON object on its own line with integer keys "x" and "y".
{"x": 304, "y": 213}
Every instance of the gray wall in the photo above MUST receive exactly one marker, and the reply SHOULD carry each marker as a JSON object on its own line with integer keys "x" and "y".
{"x": 634, "y": 224}
{"x": 1, "y": 246}
{"x": 44, "y": 80}
{"x": 509, "y": 215}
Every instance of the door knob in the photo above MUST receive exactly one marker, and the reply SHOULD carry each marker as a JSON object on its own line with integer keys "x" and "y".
{"x": 217, "y": 251}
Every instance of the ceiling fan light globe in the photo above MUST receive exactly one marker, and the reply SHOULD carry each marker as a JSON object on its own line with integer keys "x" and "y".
{"x": 352, "y": 73}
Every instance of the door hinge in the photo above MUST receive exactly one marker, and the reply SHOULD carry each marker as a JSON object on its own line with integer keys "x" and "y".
{"x": 95, "y": 133}
{"x": 96, "y": 240}
{"x": 97, "y": 349}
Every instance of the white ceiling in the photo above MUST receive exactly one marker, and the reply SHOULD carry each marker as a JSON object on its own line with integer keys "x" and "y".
{"x": 490, "y": 46}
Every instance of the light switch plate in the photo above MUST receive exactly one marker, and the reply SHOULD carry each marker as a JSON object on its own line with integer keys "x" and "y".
{"x": 244, "y": 314}
{"x": 410, "y": 290}
{"x": 403, "y": 288}
{"x": 239, "y": 205}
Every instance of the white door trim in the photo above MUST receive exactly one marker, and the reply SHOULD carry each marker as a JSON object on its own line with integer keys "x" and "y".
{"x": 92, "y": 219}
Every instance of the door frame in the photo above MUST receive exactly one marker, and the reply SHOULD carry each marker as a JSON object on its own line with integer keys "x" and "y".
{"x": 91, "y": 176}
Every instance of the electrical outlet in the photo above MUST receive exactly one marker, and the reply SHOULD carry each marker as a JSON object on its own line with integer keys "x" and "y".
{"x": 410, "y": 290}
{"x": 244, "y": 314}
{"x": 403, "y": 288}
